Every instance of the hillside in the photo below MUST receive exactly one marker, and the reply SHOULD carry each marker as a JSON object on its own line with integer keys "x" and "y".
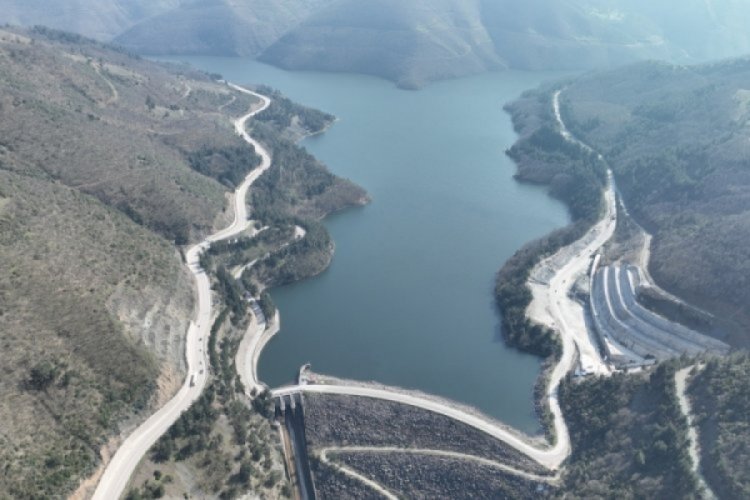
{"x": 100, "y": 19}
{"x": 693, "y": 194}
{"x": 217, "y": 27}
{"x": 676, "y": 138}
{"x": 411, "y": 42}
{"x": 629, "y": 437}
{"x": 720, "y": 398}
{"x": 107, "y": 161}
{"x": 95, "y": 185}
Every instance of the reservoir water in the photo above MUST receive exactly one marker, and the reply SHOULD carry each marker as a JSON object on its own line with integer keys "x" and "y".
{"x": 408, "y": 298}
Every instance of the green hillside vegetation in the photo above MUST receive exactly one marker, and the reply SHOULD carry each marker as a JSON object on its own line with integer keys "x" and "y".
{"x": 81, "y": 163}
{"x": 720, "y": 399}
{"x": 676, "y": 138}
{"x": 293, "y": 121}
{"x": 89, "y": 174}
{"x": 297, "y": 185}
{"x": 629, "y": 437}
{"x": 297, "y": 190}
{"x": 70, "y": 371}
{"x": 106, "y": 161}
{"x": 226, "y": 441}
{"x": 228, "y": 165}
{"x": 122, "y": 131}
{"x": 411, "y": 42}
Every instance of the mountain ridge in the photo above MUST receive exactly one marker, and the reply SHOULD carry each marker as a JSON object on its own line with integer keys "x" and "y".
{"x": 410, "y": 42}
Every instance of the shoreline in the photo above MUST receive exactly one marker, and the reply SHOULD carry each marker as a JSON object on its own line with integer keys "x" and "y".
{"x": 555, "y": 450}
{"x": 254, "y": 342}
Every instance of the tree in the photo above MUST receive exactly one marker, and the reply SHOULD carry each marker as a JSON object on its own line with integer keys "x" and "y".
{"x": 245, "y": 473}
{"x": 264, "y": 404}
{"x": 162, "y": 450}
{"x": 42, "y": 375}
{"x": 133, "y": 494}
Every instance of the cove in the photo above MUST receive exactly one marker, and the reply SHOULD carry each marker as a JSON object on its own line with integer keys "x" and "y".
{"x": 408, "y": 298}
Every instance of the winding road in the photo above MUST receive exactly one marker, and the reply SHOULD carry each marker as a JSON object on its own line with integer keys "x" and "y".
{"x": 117, "y": 473}
{"x": 253, "y": 342}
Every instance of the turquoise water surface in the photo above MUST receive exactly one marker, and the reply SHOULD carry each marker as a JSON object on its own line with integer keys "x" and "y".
{"x": 408, "y": 299}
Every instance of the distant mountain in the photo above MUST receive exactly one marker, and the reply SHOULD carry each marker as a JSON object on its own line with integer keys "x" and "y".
{"x": 218, "y": 27}
{"x": 410, "y": 41}
{"x": 100, "y": 19}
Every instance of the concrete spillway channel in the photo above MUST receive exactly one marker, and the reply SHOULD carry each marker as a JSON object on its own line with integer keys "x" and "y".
{"x": 659, "y": 344}
{"x": 671, "y": 342}
{"x": 290, "y": 414}
{"x": 629, "y": 280}
{"x": 618, "y": 314}
{"x": 612, "y": 324}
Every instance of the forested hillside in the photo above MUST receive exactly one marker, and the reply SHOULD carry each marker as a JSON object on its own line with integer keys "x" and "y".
{"x": 720, "y": 397}
{"x": 676, "y": 138}
{"x": 629, "y": 438}
{"x": 417, "y": 41}
{"x": 218, "y": 27}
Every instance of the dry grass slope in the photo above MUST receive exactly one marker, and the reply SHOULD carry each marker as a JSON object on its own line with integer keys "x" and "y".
{"x": 95, "y": 187}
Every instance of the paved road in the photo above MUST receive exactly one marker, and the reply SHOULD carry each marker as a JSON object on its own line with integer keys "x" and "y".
{"x": 255, "y": 339}
{"x": 563, "y": 310}
{"x": 132, "y": 450}
{"x": 568, "y": 314}
{"x": 549, "y": 457}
